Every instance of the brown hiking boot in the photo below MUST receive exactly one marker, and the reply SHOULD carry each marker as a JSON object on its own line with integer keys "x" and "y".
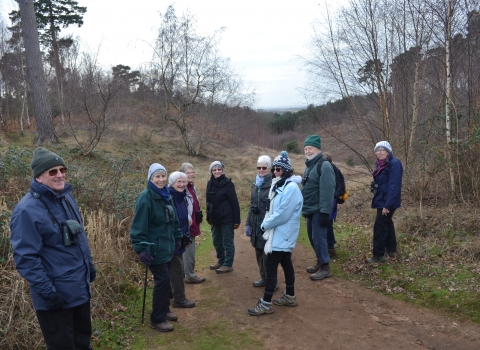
{"x": 286, "y": 300}
{"x": 194, "y": 280}
{"x": 376, "y": 259}
{"x": 324, "y": 272}
{"x": 224, "y": 269}
{"x": 215, "y": 266}
{"x": 162, "y": 326}
{"x": 314, "y": 268}
{"x": 170, "y": 316}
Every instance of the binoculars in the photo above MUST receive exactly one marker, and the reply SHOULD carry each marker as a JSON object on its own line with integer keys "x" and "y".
{"x": 70, "y": 230}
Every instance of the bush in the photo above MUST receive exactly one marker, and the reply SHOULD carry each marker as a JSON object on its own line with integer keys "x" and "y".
{"x": 291, "y": 146}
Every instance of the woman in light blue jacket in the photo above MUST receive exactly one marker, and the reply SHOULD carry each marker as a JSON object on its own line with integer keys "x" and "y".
{"x": 281, "y": 226}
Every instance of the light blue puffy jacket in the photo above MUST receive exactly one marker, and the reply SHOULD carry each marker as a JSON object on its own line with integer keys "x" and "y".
{"x": 285, "y": 217}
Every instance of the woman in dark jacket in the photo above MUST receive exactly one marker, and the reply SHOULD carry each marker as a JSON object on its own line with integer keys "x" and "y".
{"x": 154, "y": 234}
{"x": 223, "y": 214}
{"x": 256, "y": 214}
{"x": 387, "y": 190}
{"x": 177, "y": 182}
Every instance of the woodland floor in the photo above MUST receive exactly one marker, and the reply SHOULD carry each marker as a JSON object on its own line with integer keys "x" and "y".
{"x": 332, "y": 314}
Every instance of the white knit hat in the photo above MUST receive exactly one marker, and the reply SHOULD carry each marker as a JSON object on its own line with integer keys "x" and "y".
{"x": 383, "y": 144}
{"x": 154, "y": 168}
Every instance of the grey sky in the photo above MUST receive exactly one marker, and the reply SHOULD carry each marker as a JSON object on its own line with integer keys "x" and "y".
{"x": 262, "y": 37}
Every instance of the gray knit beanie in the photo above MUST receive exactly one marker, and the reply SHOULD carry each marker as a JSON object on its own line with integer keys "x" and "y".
{"x": 383, "y": 144}
{"x": 43, "y": 159}
{"x": 216, "y": 164}
{"x": 154, "y": 168}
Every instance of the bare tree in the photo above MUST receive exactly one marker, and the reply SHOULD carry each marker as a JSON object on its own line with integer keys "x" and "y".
{"x": 43, "y": 114}
{"x": 197, "y": 84}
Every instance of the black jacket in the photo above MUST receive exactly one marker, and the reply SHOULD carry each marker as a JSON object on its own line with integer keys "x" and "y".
{"x": 222, "y": 202}
{"x": 258, "y": 204}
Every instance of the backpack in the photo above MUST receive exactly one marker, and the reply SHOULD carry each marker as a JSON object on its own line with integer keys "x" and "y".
{"x": 341, "y": 192}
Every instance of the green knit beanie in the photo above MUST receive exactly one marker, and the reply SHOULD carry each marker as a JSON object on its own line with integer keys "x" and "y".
{"x": 312, "y": 140}
{"x": 43, "y": 160}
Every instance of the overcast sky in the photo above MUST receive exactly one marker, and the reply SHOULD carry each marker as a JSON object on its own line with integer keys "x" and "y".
{"x": 261, "y": 37}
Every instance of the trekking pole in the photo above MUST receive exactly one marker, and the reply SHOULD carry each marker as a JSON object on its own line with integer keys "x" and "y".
{"x": 149, "y": 248}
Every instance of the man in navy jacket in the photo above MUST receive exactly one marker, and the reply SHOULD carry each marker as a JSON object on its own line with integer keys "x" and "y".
{"x": 51, "y": 252}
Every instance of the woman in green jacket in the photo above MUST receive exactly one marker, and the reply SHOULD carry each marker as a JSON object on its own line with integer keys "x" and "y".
{"x": 155, "y": 233}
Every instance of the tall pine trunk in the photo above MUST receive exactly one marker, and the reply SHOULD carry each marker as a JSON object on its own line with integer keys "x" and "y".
{"x": 36, "y": 76}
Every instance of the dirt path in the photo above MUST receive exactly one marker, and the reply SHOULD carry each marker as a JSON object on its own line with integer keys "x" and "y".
{"x": 332, "y": 314}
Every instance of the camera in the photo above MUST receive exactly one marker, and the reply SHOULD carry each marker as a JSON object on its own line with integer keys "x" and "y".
{"x": 267, "y": 205}
{"x": 373, "y": 187}
{"x": 169, "y": 214}
{"x": 254, "y": 209}
{"x": 70, "y": 230}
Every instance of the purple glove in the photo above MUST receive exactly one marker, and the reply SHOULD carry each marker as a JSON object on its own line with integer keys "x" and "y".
{"x": 248, "y": 230}
{"x": 146, "y": 259}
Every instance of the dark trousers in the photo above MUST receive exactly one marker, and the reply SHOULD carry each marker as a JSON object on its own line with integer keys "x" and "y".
{"x": 331, "y": 236}
{"x": 222, "y": 236}
{"x": 68, "y": 328}
{"x": 177, "y": 279}
{"x": 384, "y": 234}
{"x": 284, "y": 259}
{"x": 161, "y": 292}
{"x": 261, "y": 260}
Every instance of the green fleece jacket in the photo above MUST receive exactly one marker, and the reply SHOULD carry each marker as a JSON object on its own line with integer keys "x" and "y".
{"x": 150, "y": 225}
{"x": 318, "y": 191}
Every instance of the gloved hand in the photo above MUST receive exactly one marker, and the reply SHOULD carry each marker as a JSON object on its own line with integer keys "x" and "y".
{"x": 93, "y": 272}
{"x": 324, "y": 219}
{"x": 55, "y": 302}
{"x": 248, "y": 230}
{"x": 186, "y": 240}
{"x": 235, "y": 226}
{"x": 144, "y": 258}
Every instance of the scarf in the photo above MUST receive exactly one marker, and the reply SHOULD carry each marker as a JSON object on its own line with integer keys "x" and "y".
{"x": 181, "y": 207}
{"x": 164, "y": 193}
{"x": 259, "y": 180}
{"x": 379, "y": 166}
{"x": 268, "y": 235}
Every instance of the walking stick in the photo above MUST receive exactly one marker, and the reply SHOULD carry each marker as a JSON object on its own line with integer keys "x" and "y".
{"x": 150, "y": 250}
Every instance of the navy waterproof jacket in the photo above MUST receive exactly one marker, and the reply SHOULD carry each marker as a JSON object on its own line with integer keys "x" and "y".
{"x": 39, "y": 252}
{"x": 389, "y": 181}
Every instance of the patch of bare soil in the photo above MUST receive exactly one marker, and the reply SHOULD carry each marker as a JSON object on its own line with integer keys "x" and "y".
{"x": 332, "y": 314}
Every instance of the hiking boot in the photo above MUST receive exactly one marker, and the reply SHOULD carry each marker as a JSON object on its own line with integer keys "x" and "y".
{"x": 392, "y": 254}
{"x": 215, "y": 266}
{"x": 170, "y": 316}
{"x": 376, "y": 259}
{"x": 286, "y": 300}
{"x": 194, "y": 280}
{"x": 324, "y": 272}
{"x": 332, "y": 252}
{"x": 162, "y": 326}
{"x": 262, "y": 308}
{"x": 187, "y": 304}
{"x": 224, "y": 269}
{"x": 314, "y": 268}
{"x": 260, "y": 283}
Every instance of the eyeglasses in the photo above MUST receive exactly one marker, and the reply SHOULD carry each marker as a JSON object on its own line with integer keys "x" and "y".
{"x": 54, "y": 172}
{"x": 190, "y": 173}
{"x": 380, "y": 150}
{"x": 277, "y": 169}
{"x": 261, "y": 168}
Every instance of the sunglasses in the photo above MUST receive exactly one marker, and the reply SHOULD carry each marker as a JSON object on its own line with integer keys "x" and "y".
{"x": 261, "y": 168}
{"x": 54, "y": 172}
{"x": 277, "y": 169}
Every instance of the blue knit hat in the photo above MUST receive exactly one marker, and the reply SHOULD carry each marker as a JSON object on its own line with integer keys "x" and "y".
{"x": 283, "y": 161}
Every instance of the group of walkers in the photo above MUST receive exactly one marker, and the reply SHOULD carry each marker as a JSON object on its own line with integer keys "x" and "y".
{"x": 51, "y": 251}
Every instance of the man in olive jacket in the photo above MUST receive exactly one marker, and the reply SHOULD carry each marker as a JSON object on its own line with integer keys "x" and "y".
{"x": 318, "y": 192}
